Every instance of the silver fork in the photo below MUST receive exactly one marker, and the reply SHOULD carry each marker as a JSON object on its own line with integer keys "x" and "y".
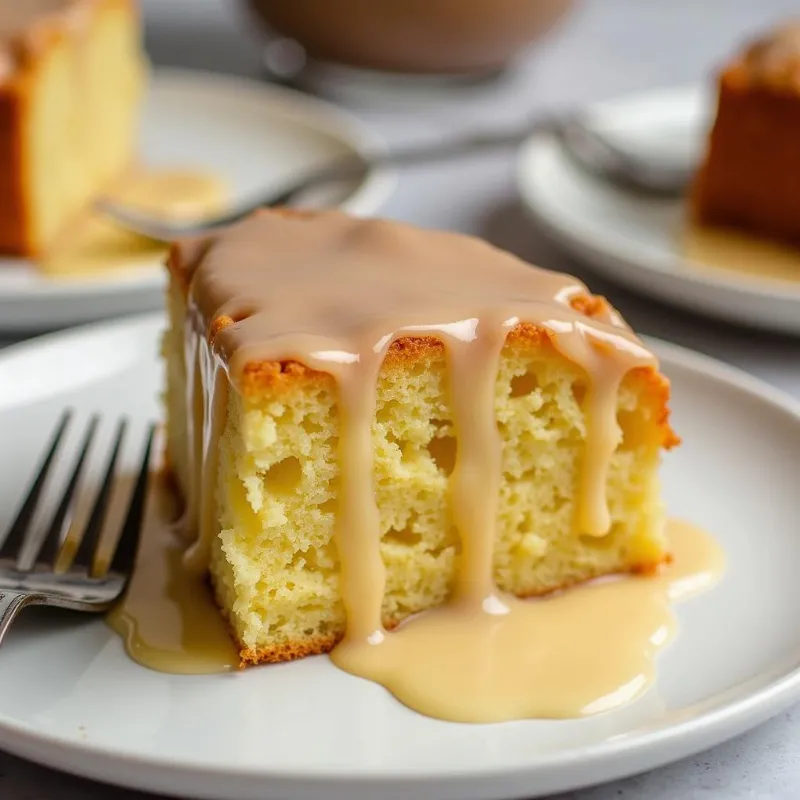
{"x": 66, "y": 560}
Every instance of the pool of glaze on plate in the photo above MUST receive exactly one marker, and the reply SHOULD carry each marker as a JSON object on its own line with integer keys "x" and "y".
{"x": 578, "y": 652}
{"x": 720, "y": 249}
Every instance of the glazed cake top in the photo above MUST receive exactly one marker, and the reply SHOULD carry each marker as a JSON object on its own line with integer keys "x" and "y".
{"x": 322, "y": 288}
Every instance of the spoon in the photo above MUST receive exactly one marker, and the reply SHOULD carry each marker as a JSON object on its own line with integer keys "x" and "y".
{"x": 585, "y": 146}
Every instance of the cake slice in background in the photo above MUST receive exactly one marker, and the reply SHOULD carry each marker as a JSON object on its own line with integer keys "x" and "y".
{"x": 71, "y": 79}
{"x": 751, "y": 173}
{"x": 273, "y": 558}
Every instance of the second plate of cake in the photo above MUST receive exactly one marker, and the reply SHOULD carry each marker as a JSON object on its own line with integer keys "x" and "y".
{"x": 220, "y": 138}
{"x": 650, "y": 245}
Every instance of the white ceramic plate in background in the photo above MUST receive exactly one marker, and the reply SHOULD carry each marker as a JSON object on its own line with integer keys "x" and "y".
{"x": 70, "y": 698}
{"x": 252, "y": 134}
{"x": 637, "y": 241}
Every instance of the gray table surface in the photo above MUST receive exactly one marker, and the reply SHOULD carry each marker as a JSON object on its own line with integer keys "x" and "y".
{"x": 608, "y": 48}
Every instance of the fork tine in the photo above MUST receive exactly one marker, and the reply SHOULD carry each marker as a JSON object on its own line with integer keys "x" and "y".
{"x": 13, "y": 540}
{"x": 46, "y": 548}
{"x": 79, "y": 545}
{"x": 128, "y": 542}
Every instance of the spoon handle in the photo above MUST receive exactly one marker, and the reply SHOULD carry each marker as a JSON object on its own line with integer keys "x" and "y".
{"x": 462, "y": 145}
{"x": 587, "y": 147}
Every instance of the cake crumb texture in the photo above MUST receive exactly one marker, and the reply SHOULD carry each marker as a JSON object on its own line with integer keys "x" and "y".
{"x": 274, "y": 565}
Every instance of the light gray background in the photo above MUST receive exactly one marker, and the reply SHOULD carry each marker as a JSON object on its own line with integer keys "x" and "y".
{"x": 609, "y": 47}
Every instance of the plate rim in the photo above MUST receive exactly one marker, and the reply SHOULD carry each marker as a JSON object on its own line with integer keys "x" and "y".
{"x": 600, "y": 255}
{"x": 647, "y": 749}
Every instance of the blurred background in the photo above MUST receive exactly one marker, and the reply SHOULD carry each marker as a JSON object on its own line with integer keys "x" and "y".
{"x": 599, "y": 47}
{"x": 596, "y": 49}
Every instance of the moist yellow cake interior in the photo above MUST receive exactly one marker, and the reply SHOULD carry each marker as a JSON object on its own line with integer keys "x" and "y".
{"x": 274, "y": 565}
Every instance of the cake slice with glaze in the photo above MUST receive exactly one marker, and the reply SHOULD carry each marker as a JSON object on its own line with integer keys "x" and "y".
{"x": 333, "y": 385}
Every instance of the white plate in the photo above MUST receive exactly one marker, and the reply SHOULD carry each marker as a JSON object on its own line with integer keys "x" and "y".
{"x": 252, "y": 134}
{"x": 636, "y": 241}
{"x": 70, "y": 698}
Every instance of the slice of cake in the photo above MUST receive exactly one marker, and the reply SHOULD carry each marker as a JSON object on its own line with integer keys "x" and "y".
{"x": 71, "y": 76}
{"x": 752, "y": 168}
{"x": 366, "y": 419}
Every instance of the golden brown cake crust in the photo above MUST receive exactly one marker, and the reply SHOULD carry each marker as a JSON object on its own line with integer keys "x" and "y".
{"x": 14, "y": 233}
{"x": 752, "y": 166}
{"x": 270, "y": 376}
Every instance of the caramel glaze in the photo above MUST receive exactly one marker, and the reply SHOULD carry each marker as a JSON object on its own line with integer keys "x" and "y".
{"x": 575, "y": 653}
{"x": 167, "y": 619}
{"x": 334, "y": 294}
{"x": 754, "y": 257}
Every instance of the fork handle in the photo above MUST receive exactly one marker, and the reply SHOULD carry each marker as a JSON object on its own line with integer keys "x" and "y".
{"x": 11, "y": 603}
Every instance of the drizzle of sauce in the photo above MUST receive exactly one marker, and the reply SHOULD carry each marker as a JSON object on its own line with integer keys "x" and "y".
{"x": 167, "y": 619}
{"x": 95, "y": 244}
{"x": 335, "y": 295}
{"x": 337, "y": 301}
{"x": 578, "y": 652}
{"x": 733, "y": 251}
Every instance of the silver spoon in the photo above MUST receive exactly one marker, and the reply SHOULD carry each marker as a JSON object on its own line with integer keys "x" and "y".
{"x": 667, "y": 176}
{"x": 586, "y": 147}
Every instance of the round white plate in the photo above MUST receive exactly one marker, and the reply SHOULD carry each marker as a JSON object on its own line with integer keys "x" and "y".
{"x": 637, "y": 241}
{"x": 70, "y": 697}
{"x": 253, "y": 135}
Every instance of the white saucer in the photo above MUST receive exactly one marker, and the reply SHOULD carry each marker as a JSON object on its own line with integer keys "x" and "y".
{"x": 254, "y": 135}
{"x": 71, "y": 699}
{"x": 636, "y": 241}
